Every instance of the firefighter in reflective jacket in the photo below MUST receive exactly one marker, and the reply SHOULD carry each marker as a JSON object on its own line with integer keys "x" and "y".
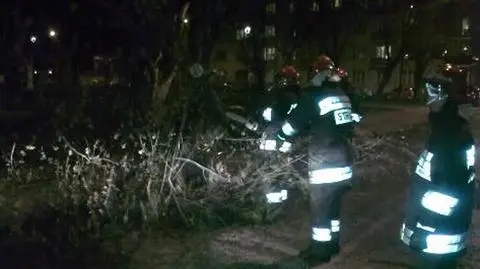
{"x": 439, "y": 208}
{"x": 283, "y": 97}
{"x": 325, "y": 111}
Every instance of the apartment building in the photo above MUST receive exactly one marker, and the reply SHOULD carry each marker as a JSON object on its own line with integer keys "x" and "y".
{"x": 292, "y": 32}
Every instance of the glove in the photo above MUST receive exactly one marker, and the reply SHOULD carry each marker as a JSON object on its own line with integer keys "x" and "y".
{"x": 356, "y": 117}
{"x": 285, "y": 146}
{"x": 268, "y": 144}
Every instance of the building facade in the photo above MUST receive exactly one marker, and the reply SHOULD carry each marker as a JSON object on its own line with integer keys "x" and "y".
{"x": 381, "y": 43}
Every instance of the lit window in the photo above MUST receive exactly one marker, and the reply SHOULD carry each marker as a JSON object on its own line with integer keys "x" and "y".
{"x": 271, "y": 8}
{"x": 269, "y": 30}
{"x": 384, "y": 52}
{"x": 243, "y": 32}
{"x": 337, "y": 3}
{"x": 465, "y": 26}
{"x": 315, "y": 6}
{"x": 269, "y": 54}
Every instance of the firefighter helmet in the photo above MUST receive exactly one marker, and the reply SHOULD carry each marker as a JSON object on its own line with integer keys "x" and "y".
{"x": 446, "y": 80}
{"x": 322, "y": 63}
{"x": 321, "y": 69}
{"x": 342, "y": 73}
{"x": 288, "y": 76}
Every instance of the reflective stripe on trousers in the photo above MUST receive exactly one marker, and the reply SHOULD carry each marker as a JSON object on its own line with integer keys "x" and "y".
{"x": 276, "y": 197}
{"x": 330, "y": 175}
{"x": 436, "y": 243}
{"x": 323, "y": 234}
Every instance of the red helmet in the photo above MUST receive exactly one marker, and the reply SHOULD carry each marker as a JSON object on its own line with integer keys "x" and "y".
{"x": 342, "y": 73}
{"x": 322, "y": 63}
{"x": 446, "y": 74}
{"x": 289, "y": 71}
{"x": 288, "y": 75}
{"x": 450, "y": 78}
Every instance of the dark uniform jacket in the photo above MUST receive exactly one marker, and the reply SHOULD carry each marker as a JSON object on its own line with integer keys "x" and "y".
{"x": 449, "y": 140}
{"x": 324, "y": 116}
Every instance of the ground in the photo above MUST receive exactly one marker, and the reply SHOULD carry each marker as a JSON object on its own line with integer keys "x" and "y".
{"x": 373, "y": 212}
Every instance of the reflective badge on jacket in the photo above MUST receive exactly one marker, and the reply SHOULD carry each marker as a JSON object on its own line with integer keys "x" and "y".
{"x": 332, "y": 103}
{"x": 341, "y": 107}
{"x": 343, "y": 116}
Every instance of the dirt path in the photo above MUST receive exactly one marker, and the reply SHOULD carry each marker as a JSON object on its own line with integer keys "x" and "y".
{"x": 373, "y": 212}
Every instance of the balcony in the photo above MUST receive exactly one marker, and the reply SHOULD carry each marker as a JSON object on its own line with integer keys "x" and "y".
{"x": 378, "y": 63}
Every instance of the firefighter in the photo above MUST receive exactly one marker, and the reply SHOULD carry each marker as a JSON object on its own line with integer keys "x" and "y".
{"x": 282, "y": 100}
{"x": 324, "y": 117}
{"x": 439, "y": 208}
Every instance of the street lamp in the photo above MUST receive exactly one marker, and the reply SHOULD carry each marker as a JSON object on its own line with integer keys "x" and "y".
{"x": 247, "y": 30}
{"x": 185, "y": 20}
{"x": 411, "y": 6}
{"x": 33, "y": 39}
{"x": 444, "y": 52}
{"x": 52, "y": 33}
{"x": 50, "y": 71}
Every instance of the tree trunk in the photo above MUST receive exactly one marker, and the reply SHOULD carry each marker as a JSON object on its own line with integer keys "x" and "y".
{"x": 420, "y": 67}
{"x": 388, "y": 72}
{"x": 29, "y": 70}
{"x": 161, "y": 90}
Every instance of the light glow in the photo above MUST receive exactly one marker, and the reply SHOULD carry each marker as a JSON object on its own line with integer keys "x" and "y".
{"x": 52, "y": 33}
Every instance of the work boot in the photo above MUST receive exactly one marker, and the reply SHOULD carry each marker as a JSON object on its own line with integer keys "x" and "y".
{"x": 317, "y": 253}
